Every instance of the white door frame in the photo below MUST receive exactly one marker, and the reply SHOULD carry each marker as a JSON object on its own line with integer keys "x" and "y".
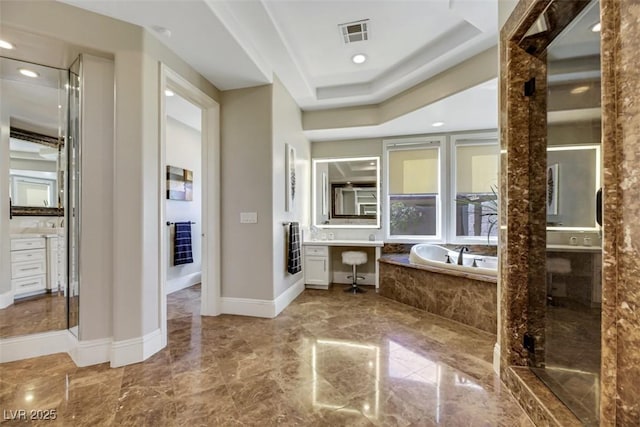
{"x": 210, "y": 193}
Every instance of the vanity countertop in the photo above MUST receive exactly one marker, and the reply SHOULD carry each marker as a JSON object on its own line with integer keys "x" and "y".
{"x": 32, "y": 235}
{"x": 573, "y": 248}
{"x": 369, "y": 243}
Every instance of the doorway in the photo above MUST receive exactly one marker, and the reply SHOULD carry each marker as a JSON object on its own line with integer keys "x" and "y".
{"x": 189, "y": 169}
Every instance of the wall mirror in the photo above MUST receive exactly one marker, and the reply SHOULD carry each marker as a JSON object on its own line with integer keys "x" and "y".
{"x": 573, "y": 179}
{"x": 35, "y": 99}
{"x": 346, "y": 192}
{"x": 34, "y": 112}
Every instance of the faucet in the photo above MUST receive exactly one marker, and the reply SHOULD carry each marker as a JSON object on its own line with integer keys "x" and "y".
{"x": 462, "y": 250}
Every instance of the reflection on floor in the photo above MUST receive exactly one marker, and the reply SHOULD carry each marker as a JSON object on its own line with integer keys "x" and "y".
{"x": 329, "y": 359}
{"x": 573, "y": 358}
{"x": 40, "y": 313}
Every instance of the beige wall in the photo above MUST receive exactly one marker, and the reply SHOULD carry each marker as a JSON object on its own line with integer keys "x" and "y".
{"x": 287, "y": 129}
{"x": 347, "y": 148}
{"x": 134, "y": 225}
{"x": 97, "y": 193}
{"x": 246, "y": 169}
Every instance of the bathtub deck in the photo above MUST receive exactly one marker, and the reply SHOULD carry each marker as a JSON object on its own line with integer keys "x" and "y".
{"x": 457, "y": 295}
{"x": 403, "y": 260}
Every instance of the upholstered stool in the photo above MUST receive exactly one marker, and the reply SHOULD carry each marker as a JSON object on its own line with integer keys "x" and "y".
{"x": 556, "y": 266}
{"x": 354, "y": 258}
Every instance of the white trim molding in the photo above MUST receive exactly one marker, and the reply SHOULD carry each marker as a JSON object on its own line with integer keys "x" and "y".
{"x": 183, "y": 282}
{"x": 87, "y": 353}
{"x": 83, "y": 353}
{"x": 6, "y": 299}
{"x": 135, "y": 350}
{"x": 287, "y": 297}
{"x": 34, "y": 345}
{"x": 248, "y": 307}
{"x": 262, "y": 307}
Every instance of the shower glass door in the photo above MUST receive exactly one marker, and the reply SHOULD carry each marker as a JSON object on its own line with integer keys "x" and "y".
{"x": 571, "y": 367}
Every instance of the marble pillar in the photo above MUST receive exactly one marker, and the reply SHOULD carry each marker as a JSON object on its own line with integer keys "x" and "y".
{"x": 620, "y": 372}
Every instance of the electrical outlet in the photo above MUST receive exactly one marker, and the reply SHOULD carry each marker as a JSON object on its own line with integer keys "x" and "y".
{"x": 248, "y": 217}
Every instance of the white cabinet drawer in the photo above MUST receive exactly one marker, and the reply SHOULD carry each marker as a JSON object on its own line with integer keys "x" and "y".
{"x": 30, "y": 243}
{"x": 28, "y": 284}
{"x": 30, "y": 255}
{"x": 28, "y": 268}
{"x": 316, "y": 250}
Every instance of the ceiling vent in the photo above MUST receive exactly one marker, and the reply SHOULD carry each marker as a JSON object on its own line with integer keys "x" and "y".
{"x": 354, "y": 31}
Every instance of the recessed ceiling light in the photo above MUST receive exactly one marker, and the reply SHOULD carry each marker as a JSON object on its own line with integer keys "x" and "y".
{"x": 596, "y": 27}
{"x": 5, "y": 44}
{"x": 372, "y": 163}
{"x": 163, "y": 31}
{"x": 579, "y": 89}
{"x": 359, "y": 58}
{"x": 169, "y": 92}
{"x": 59, "y": 106}
{"x": 437, "y": 124}
{"x": 29, "y": 73}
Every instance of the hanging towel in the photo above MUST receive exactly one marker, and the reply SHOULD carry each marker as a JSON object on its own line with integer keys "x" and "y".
{"x": 182, "y": 244}
{"x": 293, "y": 253}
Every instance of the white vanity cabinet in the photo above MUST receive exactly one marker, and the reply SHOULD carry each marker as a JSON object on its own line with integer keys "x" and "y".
{"x": 28, "y": 266}
{"x": 55, "y": 263}
{"x": 317, "y": 267}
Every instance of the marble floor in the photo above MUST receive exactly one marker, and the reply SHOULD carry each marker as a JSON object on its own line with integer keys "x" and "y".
{"x": 41, "y": 313}
{"x": 329, "y": 359}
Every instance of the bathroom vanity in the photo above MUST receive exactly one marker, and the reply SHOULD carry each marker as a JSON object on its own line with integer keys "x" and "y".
{"x": 317, "y": 260}
{"x": 37, "y": 264}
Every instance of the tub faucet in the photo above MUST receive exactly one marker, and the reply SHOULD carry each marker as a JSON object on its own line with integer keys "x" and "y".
{"x": 462, "y": 250}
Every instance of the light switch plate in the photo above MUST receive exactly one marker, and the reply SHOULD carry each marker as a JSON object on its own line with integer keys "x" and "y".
{"x": 248, "y": 217}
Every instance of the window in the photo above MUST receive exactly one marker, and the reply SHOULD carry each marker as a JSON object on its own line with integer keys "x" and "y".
{"x": 474, "y": 163}
{"x": 413, "y": 203}
{"x": 422, "y": 202}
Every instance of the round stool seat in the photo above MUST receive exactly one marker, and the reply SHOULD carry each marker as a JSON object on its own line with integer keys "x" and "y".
{"x": 354, "y": 257}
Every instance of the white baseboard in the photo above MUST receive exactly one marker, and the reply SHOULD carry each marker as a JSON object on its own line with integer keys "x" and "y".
{"x": 248, "y": 307}
{"x": 183, "y": 282}
{"x": 287, "y": 297}
{"x": 83, "y": 353}
{"x": 135, "y": 350}
{"x": 341, "y": 278}
{"x": 87, "y": 353}
{"x": 496, "y": 358}
{"x": 262, "y": 307}
{"x": 6, "y": 299}
{"x": 34, "y": 345}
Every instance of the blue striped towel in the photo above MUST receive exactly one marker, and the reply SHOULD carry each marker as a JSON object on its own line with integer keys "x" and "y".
{"x": 293, "y": 252}
{"x": 182, "y": 244}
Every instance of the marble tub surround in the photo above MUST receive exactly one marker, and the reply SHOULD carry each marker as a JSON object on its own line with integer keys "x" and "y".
{"x": 310, "y": 366}
{"x": 464, "y": 297}
{"x": 403, "y": 260}
{"x": 405, "y": 248}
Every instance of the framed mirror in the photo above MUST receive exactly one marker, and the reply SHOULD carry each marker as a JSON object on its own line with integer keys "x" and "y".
{"x": 34, "y": 174}
{"x": 346, "y": 192}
